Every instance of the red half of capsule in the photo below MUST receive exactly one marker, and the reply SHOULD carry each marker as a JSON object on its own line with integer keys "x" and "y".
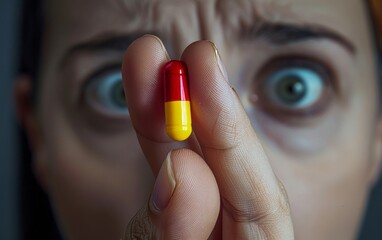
{"x": 176, "y": 83}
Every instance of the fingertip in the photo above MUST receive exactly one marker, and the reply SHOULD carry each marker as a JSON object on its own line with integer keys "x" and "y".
{"x": 143, "y": 58}
{"x": 145, "y": 41}
{"x": 200, "y": 50}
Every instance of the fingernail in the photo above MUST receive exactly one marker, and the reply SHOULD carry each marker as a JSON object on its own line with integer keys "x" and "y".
{"x": 160, "y": 43}
{"x": 164, "y": 186}
{"x": 222, "y": 68}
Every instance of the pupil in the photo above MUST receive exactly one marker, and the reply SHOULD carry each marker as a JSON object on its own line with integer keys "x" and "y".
{"x": 291, "y": 89}
{"x": 118, "y": 95}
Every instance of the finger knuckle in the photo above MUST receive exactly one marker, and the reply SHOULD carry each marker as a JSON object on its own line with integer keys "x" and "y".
{"x": 262, "y": 210}
{"x": 226, "y": 129}
{"x": 140, "y": 227}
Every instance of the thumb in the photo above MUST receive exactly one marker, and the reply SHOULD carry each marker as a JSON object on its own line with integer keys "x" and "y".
{"x": 184, "y": 204}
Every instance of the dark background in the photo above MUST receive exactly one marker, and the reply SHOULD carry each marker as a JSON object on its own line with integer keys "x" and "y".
{"x": 9, "y": 209}
{"x": 16, "y": 185}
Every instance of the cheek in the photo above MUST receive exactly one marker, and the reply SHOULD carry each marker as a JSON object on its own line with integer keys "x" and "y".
{"x": 327, "y": 190}
{"x": 305, "y": 139}
{"x": 95, "y": 190}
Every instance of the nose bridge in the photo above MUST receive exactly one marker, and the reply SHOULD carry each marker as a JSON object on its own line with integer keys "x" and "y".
{"x": 187, "y": 21}
{"x": 178, "y": 20}
{"x": 209, "y": 19}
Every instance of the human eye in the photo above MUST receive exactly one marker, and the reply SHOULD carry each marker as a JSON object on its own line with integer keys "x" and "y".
{"x": 293, "y": 88}
{"x": 104, "y": 93}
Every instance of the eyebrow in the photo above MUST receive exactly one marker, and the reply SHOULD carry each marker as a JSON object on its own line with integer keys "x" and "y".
{"x": 103, "y": 42}
{"x": 280, "y": 34}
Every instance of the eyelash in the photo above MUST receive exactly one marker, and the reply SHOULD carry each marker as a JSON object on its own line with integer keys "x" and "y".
{"x": 290, "y": 59}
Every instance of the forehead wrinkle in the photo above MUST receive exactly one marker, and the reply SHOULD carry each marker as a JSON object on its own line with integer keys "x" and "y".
{"x": 253, "y": 11}
{"x": 136, "y": 9}
{"x": 146, "y": 13}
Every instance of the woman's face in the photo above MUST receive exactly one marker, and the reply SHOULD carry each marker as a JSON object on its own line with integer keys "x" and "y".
{"x": 304, "y": 70}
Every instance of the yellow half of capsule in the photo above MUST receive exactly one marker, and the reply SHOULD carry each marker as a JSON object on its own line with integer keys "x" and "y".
{"x": 178, "y": 119}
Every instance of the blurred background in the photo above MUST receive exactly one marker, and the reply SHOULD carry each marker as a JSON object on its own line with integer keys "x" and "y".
{"x": 24, "y": 209}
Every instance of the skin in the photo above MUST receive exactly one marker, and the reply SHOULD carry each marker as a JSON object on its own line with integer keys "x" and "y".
{"x": 93, "y": 164}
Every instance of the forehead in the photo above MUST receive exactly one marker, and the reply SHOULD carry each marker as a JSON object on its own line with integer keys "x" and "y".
{"x": 89, "y": 16}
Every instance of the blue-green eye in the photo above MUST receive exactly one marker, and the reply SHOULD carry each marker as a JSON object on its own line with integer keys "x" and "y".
{"x": 295, "y": 87}
{"x": 105, "y": 93}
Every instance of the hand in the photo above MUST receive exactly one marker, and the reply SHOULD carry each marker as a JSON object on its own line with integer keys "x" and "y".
{"x": 219, "y": 183}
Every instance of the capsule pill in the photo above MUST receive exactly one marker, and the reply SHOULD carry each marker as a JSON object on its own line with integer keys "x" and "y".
{"x": 177, "y": 101}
